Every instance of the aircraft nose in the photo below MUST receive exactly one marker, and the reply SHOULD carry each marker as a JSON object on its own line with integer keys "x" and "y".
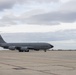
{"x": 52, "y": 46}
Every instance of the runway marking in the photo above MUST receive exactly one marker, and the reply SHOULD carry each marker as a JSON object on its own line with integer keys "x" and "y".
{"x": 22, "y": 68}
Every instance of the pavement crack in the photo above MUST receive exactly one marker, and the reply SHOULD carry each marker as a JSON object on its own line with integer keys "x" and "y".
{"x": 23, "y": 68}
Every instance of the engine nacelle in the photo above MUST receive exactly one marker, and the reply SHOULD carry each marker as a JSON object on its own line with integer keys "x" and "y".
{"x": 12, "y": 47}
{"x": 24, "y": 48}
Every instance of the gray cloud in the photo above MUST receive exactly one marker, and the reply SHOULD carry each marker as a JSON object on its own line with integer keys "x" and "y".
{"x": 46, "y": 37}
{"x": 7, "y": 20}
{"x": 11, "y": 19}
{"x": 66, "y": 14}
{"x": 52, "y": 18}
{"x": 69, "y": 6}
{"x": 7, "y": 4}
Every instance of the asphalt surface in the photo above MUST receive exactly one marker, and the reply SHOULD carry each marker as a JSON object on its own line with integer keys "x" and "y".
{"x": 38, "y": 63}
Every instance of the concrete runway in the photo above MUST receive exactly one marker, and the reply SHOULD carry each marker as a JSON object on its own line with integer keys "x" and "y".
{"x": 38, "y": 63}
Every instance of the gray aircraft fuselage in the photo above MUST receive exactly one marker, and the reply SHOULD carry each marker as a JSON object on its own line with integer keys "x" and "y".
{"x": 25, "y": 46}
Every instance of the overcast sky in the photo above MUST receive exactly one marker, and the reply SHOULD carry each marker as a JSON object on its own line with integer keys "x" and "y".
{"x": 52, "y": 21}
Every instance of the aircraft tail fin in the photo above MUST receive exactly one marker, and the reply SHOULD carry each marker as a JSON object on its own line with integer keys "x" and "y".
{"x": 1, "y": 40}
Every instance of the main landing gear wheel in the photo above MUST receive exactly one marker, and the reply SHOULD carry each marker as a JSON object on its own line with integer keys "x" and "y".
{"x": 20, "y": 50}
{"x": 23, "y": 50}
{"x": 26, "y": 50}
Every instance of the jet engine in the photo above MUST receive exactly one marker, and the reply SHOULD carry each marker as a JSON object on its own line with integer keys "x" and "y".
{"x": 12, "y": 47}
{"x": 24, "y": 49}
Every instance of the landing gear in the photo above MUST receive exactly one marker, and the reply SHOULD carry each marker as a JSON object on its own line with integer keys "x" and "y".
{"x": 26, "y": 50}
{"x": 20, "y": 50}
{"x": 45, "y": 50}
{"x": 23, "y": 50}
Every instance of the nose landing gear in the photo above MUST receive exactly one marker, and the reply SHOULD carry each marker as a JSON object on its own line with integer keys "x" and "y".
{"x": 45, "y": 50}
